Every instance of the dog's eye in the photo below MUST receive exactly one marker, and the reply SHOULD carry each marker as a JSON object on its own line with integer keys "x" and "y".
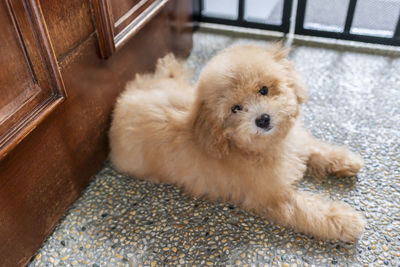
{"x": 263, "y": 90}
{"x": 235, "y": 108}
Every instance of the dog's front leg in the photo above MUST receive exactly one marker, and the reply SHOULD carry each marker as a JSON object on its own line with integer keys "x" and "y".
{"x": 326, "y": 159}
{"x": 310, "y": 214}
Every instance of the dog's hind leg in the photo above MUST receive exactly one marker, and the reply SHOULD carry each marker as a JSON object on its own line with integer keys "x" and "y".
{"x": 326, "y": 159}
{"x": 313, "y": 215}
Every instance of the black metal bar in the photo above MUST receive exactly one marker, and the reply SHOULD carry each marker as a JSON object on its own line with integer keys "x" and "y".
{"x": 241, "y": 10}
{"x": 246, "y": 24}
{"x": 350, "y": 15}
{"x": 197, "y": 8}
{"x": 201, "y": 6}
{"x": 300, "y": 18}
{"x": 301, "y": 11}
{"x": 286, "y": 15}
{"x": 397, "y": 30}
{"x": 352, "y": 37}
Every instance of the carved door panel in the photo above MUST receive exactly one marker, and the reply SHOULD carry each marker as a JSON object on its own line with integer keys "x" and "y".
{"x": 30, "y": 82}
{"x": 30, "y": 89}
{"x": 118, "y": 21}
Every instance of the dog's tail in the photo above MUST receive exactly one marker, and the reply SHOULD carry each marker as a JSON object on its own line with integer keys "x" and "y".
{"x": 170, "y": 67}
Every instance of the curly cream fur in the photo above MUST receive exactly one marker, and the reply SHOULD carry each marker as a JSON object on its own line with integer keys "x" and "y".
{"x": 165, "y": 130}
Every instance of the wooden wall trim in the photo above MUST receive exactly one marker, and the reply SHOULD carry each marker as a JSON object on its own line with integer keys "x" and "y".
{"x": 34, "y": 39}
{"x": 111, "y": 38}
{"x": 39, "y": 27}
{"x": 104, "y": 26}
{"x": 139, "y": 22}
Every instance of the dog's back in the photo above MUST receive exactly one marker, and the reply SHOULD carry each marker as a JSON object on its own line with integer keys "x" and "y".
{"x": 151, "y": 108}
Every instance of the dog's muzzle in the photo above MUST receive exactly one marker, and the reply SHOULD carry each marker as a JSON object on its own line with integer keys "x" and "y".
{"x": 263, "y": 122}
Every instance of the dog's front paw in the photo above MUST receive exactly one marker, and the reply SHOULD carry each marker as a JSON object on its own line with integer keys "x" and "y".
{"x": 348, "y": 165}
{"x": 321, "y": 218}
{"x": 344, "y": 223}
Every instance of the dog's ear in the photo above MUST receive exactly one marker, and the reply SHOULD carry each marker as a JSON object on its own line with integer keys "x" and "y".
{"x": 208, "y": 129}
{"x": 279, "y": 51}
{"x": 294, "y": 79}
{"x": 297, "y": 83}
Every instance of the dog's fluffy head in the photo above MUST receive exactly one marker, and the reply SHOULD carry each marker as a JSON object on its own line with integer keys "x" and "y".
{"x": 241, "y": 89}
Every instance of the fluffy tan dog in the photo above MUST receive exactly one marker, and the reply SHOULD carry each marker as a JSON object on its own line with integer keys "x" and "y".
{"x": 235, "y": 137}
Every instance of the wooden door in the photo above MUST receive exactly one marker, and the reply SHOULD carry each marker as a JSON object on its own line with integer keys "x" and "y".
{"x": 56, "y": 97}
{"x": 31, "y": 86}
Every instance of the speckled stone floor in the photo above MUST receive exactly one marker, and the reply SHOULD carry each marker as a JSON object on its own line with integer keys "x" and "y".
{"x": 354, "y": 100}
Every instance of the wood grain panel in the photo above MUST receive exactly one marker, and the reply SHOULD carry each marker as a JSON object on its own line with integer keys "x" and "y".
{"x": 70, "y": 14}
{"x": 13, "y": 75}
{"x": 32, "y": 85}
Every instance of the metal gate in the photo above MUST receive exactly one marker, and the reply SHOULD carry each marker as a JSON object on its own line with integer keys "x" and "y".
{"x": 371, "y": 21}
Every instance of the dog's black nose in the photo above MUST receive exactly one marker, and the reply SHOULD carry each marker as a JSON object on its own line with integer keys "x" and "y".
{"x": 263, "y": 121}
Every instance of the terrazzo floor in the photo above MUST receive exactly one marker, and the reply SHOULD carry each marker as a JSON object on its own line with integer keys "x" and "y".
{"x": 354, "y": 100}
